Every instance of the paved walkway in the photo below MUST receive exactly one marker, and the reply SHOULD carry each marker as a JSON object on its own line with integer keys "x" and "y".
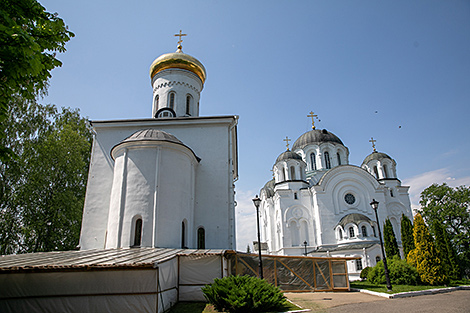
{"x": 335, "y": 302}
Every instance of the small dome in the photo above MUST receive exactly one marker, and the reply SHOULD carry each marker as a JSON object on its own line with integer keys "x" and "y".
{"x": 354, "y": 218}
{"x": 288, "y": 155}
{"x": 269, "y": 188}
{"x": 152, "y": 135}
{"x": 179, "y": 60}
{"x": 315, "y": 136}
{"x": 376, "y": 156}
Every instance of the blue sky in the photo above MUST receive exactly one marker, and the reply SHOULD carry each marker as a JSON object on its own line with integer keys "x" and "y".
{"x": 398, "y": 71}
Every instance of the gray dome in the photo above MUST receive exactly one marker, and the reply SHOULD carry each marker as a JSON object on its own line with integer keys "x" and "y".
{"x": 354, "y": 218}
{"x": 288, "y": 155}
{"x": 376, "y": 156}
{"x": 269, "y": 188}
{"x": 315, "y": 136}
{"x": 153, "y": 135}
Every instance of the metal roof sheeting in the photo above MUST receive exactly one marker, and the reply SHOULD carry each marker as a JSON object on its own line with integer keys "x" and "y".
{"x": 94, "y": 259}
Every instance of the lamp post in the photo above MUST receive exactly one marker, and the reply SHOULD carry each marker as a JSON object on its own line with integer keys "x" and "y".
{"x": 305, "y": 246}
{"x": 257, "y": 202}
{"x": 375, "y": 205}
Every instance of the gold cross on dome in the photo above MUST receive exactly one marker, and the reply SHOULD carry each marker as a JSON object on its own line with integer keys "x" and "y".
{"x": 312, "y": 116}
{"x": 373, "y": 143}
{"x": 180, "y": 35}
{"x": 287, "y": 142}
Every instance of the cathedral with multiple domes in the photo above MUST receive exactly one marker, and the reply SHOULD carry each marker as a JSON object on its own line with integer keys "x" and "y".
{"x": 317, "y": 204}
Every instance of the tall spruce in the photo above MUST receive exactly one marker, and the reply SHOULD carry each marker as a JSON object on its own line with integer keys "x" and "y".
{"x": 425, "y": 256}
{"x": 390, "y": 241}
{"x": 446, "y": 252}
{"x": 407, "y": 235}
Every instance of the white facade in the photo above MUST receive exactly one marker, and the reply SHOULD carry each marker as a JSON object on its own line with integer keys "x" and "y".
{"x": 318, "y": 203}
{"x": 168, "y": 181}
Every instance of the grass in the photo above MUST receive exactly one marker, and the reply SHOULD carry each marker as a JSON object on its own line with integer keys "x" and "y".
{"x": 202, "y": 307}
{"x": 402, "y": 288}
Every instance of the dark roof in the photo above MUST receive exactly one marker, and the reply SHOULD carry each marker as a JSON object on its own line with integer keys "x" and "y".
{"x": 352, "y": 246}
{"x": 153, "y": 135}
{"x": 315, "y": 136}
{"x": 269, "y": 188}
{"x": 376, "y": 156}
{"x": 288, "y": 155}
{"x": 94, "y": 259}
{"x": 354, "y": 218}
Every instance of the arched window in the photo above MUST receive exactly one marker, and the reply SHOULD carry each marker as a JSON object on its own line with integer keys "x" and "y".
{"x": 373, "y": 230}
{"x": 183, "y": 235}
{"x": 327, "y": 160}
{"x": 295, "y": 195}
{"x": 313, "y": 161}
{"x": 138, "y": 232}
{"x": 351, "y": 232}
{"x": 292, "y": 173}
{"x": 157, "y": 99}
{"x": 386, "y": 171}
{"x": 376, "y": 172}
{"x": 201, "y": 238}
{"x": 339, "y": 158}
{"x": 391, "y": 193}
{"x": 171, "y": 101}
{"x": 188, "y": 105}
{"x": 364, "y": 231}
{"x": 340, "y": 234}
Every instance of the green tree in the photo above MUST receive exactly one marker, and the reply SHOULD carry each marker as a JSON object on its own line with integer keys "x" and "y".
{"x": 425, "y": 256}
{"x": 446, "y": 252}
{"x": 390, "y": 241}
{"x": 450, "y": 207}
{"x": 29, "y": 40}
{"x": 43, "y": 186}
{"x": 407, "y": 235}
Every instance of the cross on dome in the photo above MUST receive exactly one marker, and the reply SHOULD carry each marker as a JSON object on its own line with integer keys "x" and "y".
{"x": 373, "y": 143}
{"x": 287, "y": 142}
{"x": 180, "y": 40}
{"x": 312, "y": 116}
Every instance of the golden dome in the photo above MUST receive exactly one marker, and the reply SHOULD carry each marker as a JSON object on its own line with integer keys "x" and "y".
{"x": 180, "y": 60}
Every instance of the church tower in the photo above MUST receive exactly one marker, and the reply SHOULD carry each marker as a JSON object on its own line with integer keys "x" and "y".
{"x": 177, "y": 81}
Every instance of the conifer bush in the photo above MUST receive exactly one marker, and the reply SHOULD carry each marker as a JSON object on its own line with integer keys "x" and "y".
{"x": 237, "y": 294}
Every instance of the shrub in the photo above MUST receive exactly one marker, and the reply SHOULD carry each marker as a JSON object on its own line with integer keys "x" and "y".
{"x": 238, "y": 294}
{"x": 399, "y": 271}
{"x": 364, "y": 272}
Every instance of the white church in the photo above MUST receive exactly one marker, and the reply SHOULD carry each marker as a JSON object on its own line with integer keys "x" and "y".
{"x": 165, "y": 181}
{"x": 317, "y": 204}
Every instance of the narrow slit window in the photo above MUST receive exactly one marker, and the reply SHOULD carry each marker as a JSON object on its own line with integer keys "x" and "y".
{"x": 376, "y": 172}
{"x": 201, "y": 238}
{"x": 386, "y": 171}
{"x": 172, "y": 101}
{"x": 364, "y": 231}
{"x": 340, "y": 234}
{"x": 339, "y": 158}
{"x": 138, "y": 233}
{"x": 313, "y": 161}
{"x": 183, "y": 235}
{"x": 292, "y": 173}
{"x": 188, "y": 105}
{"x": 327, "y": 160}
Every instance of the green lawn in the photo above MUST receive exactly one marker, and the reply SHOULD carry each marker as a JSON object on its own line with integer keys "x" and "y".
{"x": 401, "y": 288}
{"x": 201, "y": 307}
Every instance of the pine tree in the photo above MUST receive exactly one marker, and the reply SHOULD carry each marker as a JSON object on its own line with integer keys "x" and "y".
{"x": 446, "y": 252}
{"x": 425, "y": 256}
{"x": 407, "y": 235}
{"x": 390, "y": 241}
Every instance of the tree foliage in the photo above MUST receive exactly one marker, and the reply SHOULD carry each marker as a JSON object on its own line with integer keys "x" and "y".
{"x": 450, "y": 207}
{"x": 425, "y": 256}
{"x": 390, "y": 240}
{"x": 29, "y": 40}
{"x": 400, "y": 272}
{"x": 43, "y": 186}
{"x": 446, "y": 252}
{"x": 407, "y": 235}
{"x": 239, "y": 294}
